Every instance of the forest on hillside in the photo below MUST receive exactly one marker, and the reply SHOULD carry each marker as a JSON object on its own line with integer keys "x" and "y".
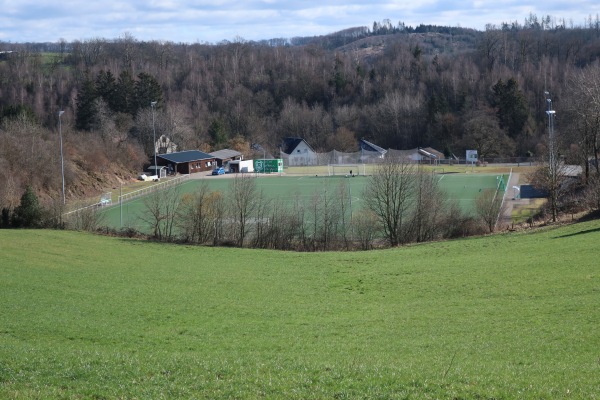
{"x": 396, "y": 86}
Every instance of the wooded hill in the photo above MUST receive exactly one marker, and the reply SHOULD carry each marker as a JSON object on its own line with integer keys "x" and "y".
{"x": 397, "y": 86}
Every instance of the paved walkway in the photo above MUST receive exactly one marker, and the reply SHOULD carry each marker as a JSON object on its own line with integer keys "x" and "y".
{"x": 510, "y": 202}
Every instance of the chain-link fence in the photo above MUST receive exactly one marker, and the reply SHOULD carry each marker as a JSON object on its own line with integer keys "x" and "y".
{"x": 373, "y": 157}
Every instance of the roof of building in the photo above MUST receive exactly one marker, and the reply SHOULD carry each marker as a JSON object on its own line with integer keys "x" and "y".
{"x": 400, "y": 154}
{"x": 368, "y": 146}
{"x": 429, "y": 152}
{"x": 289, "y": 144}
{"x": 185, "y": 156}
{"x": 415, "y": 154}
{"x": 225, "y": 153}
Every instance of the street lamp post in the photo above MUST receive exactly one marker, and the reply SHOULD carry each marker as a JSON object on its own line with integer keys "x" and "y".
{"x": 153, "y": 104}
{"x": 551, "y": 113}
{"x": 62, "y": 162}
{"x": 554, "y": 161}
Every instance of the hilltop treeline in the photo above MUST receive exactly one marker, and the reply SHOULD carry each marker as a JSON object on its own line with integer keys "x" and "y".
{"x": 397, "y": 86}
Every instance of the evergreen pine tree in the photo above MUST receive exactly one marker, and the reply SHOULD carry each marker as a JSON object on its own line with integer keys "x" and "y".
{"x": 125, "y": 94}
{"x": 147, "y": 90}
{"x": 218, "y": 132}
{"x": 106, "y": 87}
{"x": 29, "y": 213}
{"x": 86, "y": 110}
{"x": 5, "y": 218}
{"x": 512, "y": 109}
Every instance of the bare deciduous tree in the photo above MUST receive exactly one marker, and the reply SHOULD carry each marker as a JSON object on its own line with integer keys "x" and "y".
{"x": 244, "y": 200}
{"x": 200, "y": 215}
{"x": 365, "y": 229}
{"x": 483, "y": 133}
{"x": 397, "y": 117}
{"x": 583, "y": 113}
{"x": 487, "y": 207}
{"x": 551, "y": 178}
{"x": 430, "y": 207}
{"x": 162, "y": 208}
{"x": 87, "y": 219}
{"x": 389, "y": 195}
{"x": 344, "y": 210}
{"x": 593, "y": 192}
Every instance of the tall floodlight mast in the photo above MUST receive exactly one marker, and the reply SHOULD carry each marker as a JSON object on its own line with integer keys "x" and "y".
{"x": 62, "y": 162}
{"x": 153, "y": 104}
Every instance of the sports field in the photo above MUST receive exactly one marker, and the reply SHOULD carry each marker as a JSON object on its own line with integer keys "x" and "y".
{"x": 462, "y": 188}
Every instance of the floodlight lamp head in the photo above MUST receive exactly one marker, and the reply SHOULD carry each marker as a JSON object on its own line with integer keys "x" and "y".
{"x": 60, "y": 113}
{"x": 152, "y": 104}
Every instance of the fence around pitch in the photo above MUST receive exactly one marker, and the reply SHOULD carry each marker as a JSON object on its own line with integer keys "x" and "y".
{"x": 104, "y": 201}
{"x": 129, "y": 196}
{"x": 335, "y": 157}
{"x": 154, "y": 188}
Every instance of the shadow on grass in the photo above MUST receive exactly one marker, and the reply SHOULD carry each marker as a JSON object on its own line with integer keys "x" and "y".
{"x": 578, "y": 233}
{"x": 594, "y": 215}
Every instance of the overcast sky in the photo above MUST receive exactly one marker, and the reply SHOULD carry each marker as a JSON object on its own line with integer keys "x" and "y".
{"x": 216, "y": 20}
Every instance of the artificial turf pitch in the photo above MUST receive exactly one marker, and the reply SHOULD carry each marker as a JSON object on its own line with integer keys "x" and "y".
{"x": 462, "y": 188}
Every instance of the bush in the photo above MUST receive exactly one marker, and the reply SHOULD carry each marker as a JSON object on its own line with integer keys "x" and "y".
{"x": 5, "y": 218}
{"x": 29, "y": 213}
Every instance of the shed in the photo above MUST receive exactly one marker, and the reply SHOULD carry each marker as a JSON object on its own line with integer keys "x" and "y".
{"x": 187, "y": 162}
{"x": 160, "y": 171}
{"x": 241, "y": 166}
{"x": 223, "y": 157}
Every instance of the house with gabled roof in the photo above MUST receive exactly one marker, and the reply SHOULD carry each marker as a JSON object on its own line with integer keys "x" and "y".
{"x": 186, "y": 162}
{"x": 296, "y": 151}
{"x": 370, "y": 151}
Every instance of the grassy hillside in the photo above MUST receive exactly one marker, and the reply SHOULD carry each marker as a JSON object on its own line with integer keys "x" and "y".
{"x": 508, "y": 316}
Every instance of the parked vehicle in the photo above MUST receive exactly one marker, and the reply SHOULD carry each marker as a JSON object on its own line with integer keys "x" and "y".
{"x": 218, "y": 171}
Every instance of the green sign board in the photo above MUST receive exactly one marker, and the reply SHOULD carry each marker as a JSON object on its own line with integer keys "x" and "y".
{"x": 268, "y": 166}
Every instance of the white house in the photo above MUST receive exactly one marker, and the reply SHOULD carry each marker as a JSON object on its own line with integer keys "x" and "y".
{"x": 297, "y": 152}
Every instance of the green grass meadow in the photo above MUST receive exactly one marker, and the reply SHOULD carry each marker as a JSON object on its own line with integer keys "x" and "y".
{"x": 462, "y": 188}
{"x": 509, "y": 316}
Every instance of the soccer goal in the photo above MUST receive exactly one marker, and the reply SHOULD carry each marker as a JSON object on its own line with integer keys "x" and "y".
{"x": 346, "y": 169}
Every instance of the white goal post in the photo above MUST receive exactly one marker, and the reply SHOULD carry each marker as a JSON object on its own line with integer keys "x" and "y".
{"x": 346, "y": 169}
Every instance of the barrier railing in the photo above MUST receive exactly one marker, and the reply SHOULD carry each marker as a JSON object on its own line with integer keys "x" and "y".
{"x": 129, "y": 196}
{"x": 154, "y": 188}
